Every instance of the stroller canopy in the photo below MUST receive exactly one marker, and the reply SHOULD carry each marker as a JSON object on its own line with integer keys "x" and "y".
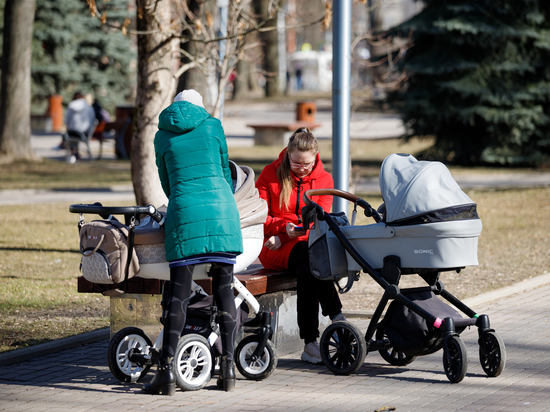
{"x": 412, "y": 189}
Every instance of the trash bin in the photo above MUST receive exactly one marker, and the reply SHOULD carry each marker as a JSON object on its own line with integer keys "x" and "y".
{"x": 305, "y": 111}
{"x": 55, "y": 112}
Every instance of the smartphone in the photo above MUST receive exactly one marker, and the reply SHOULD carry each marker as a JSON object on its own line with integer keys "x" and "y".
{"x": 298, "y": 228}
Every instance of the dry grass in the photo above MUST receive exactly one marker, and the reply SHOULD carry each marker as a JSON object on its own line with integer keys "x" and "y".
{"x": 39, "y": 263}
{"x": 50, "y": 174}
{"x": 366, "y": 155}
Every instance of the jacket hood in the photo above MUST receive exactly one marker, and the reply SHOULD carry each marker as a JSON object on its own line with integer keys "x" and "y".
{"x": 315, "y": 172}
{"x": 181, "y": 117}
{"x": 78, "y": 105}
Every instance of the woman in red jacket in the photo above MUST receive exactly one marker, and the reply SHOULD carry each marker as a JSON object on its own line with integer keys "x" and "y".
{"x": 282, "y": 184}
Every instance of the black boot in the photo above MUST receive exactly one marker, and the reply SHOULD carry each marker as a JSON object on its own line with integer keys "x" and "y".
{"x": 227, "y": 375}
{"x": 164, "y": 381}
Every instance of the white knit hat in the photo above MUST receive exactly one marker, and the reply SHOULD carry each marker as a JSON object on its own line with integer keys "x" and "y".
{"x": 191, "y": 96}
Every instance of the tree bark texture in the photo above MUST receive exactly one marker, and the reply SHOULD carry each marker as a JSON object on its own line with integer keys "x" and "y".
{"x": 15, "y": 98}
{"x": 155, "y": 90}
{"x": 270, "y": 45}
{"x": 240, "y": 85}
{"x": 376, "y": 52}
{"x": 192, "y": 78}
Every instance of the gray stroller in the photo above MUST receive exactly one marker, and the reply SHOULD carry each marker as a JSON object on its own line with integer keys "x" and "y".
{"x": 426, "y": 226}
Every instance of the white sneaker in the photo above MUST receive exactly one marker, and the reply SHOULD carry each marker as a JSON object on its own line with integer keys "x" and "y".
{"x": 311, "y": 353}
{"x": 339, "y": 318}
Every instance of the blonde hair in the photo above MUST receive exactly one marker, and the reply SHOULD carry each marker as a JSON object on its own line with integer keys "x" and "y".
{"x": 303, "y": 140}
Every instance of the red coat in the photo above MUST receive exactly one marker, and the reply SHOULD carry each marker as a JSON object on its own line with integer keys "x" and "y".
{"x": 269, "y": 188}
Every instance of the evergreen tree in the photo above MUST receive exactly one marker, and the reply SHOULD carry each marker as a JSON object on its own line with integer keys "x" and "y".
{"x": 72, "y": 52}
{"x": 479, "y": 80}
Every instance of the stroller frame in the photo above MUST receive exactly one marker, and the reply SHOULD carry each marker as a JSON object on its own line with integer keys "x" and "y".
{"x": 343, "y": 347}
{"x": 131, "y": 353}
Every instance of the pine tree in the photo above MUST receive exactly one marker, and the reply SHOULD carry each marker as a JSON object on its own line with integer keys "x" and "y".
{"x": 72, "y": 52}
{"x": 479, "y": 80}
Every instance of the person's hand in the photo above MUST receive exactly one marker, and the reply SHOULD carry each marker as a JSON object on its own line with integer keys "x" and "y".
{"x": 273, "y": 243}
{"x": 292, "y": 233}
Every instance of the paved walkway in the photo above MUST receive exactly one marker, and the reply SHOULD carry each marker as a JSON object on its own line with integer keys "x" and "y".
{"x": 79, "y": 379}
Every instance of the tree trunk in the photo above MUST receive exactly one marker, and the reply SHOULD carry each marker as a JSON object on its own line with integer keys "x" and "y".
{"x": 15, "y": 98}
{"x": 192, "y": 78}
{"x": 270, "y": 45}
{"x": 155, "y": 90}
{"x": 376, "y": 52}
{"x": 240, "y": 85}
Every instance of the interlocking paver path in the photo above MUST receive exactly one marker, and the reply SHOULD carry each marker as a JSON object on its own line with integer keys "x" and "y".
{"x": 79, "y": 379}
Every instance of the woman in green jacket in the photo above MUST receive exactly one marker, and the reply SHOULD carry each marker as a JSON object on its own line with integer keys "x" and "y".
{"x": 202, "y": 225}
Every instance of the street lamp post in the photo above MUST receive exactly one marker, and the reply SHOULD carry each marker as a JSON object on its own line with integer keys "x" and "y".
{"x": 341, "y": 73}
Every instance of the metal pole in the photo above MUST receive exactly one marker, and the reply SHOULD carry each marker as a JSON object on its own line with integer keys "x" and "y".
{"x": 341, "y": 74}
{"x": 223, "y": 10}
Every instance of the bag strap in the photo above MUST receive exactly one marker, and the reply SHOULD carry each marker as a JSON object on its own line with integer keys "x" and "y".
{"x": 130, "y": 239}
{"x": 349, "y": 284}
{"x": 91, "y": 252}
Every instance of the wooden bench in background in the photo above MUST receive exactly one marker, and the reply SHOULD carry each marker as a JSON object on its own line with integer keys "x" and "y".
{"x": 269, "y": 134}
{"x": 276, "y": 134}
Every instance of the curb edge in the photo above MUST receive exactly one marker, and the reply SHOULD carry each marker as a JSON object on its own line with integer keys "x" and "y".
{"x": 21, "y": 355}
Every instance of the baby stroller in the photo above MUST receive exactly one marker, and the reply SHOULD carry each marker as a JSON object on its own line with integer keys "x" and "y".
{"x": 131, "y": 352}
{"x": 426, "y": 226}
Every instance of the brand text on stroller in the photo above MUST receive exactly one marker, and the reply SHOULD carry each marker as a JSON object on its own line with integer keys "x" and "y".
{"x": 423, "y": 251}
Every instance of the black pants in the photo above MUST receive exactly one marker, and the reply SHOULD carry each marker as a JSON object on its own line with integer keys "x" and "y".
{"x": 311, "y": 293}
{"x": 178, "y": 300}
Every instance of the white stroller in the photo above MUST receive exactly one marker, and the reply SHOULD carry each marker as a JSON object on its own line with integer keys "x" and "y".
{"x": 131, "y": 352}
{"x": 427, "y": 225}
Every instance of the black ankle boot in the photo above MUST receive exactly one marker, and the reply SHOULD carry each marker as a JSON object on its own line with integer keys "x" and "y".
{"x": 227, "y": 375}
{"x": 164, "y": 381}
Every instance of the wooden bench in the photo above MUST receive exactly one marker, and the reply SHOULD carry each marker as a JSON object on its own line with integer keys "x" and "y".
{"x": 256, "y": 279}
{"x": 140, "y": 305}
{"x": 270, "y": 134}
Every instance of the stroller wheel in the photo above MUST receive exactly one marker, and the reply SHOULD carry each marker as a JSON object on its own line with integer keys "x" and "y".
{"x": 343, "y": 348}
{"x": 455, "y": 359}
{"x": 260, "y": 368}
{"x": 492, "y": 353}
{"x": 126, "y": 341}
{"x": 390, "y": 354}
{"x": 193, "y": 362}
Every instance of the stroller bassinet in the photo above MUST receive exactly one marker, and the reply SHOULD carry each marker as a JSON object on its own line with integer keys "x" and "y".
{"x": 428, "y": 221}
{"x": 149, "y": 236}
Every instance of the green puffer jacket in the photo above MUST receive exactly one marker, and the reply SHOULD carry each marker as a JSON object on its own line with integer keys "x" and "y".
{"x": 191, "y": 156}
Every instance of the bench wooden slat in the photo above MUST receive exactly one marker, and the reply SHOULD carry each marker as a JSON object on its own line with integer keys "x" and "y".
{"x": 256, "y": 279}
{"x": 291, "y": 126}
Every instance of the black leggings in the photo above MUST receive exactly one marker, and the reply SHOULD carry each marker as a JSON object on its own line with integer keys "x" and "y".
{"x": 311, "y": 293}
{"x": 178, "y": 300}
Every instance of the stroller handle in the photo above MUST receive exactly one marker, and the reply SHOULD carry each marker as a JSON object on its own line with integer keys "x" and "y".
{"x": 106, "y": 211}
{"x": 311, "y": 205}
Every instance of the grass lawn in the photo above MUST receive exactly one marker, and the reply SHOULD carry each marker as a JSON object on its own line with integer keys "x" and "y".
{"x": 39, "y": 261}
{"x": 53, "y": 174}
{"x": 39, "y": 258}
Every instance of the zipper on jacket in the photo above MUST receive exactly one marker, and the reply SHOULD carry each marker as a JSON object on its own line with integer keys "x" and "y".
{"x": 297, "y": 211}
